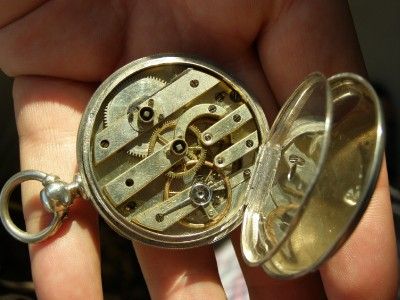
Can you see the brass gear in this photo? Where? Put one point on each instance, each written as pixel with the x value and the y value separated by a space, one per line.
pixel 196 152
pixel 136 92
pixel 139 150
pixel 208 174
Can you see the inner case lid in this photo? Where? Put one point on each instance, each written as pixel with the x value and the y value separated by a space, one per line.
pixel 286 169
pixel 299 216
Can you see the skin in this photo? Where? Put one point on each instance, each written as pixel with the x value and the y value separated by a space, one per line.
pixel 59 51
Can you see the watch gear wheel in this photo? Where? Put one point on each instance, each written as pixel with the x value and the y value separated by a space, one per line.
pixel 196 152
pixel 139 150
pixel 213 183
pixel 124 102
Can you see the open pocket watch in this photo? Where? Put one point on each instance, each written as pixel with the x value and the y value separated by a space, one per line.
pixel 175 153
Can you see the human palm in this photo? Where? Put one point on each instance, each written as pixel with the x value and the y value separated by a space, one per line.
pixel 59 51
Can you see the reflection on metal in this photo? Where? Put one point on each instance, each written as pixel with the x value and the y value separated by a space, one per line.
pixel 326 146
pixel 175 153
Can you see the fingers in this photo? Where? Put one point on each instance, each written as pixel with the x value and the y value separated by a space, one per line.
pixel 12 10
pixel 180 274
pixel 305 37
pixel 65 39
pixel 366 265
pixel 48 113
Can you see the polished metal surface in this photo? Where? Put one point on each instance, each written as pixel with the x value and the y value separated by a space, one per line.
pixel 317 186
pixel 140 173
pixel 56 197
pixel 175 153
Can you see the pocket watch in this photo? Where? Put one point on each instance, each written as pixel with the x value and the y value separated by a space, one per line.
pixel 175 153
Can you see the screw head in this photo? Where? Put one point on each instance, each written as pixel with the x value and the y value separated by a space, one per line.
pixel 212 108
pixel 237 118
pixel 201 194
pixel 159 217
pixel 249 143
pixel 194 83
pixel 207 137
pixel 104 144
pixel 220 96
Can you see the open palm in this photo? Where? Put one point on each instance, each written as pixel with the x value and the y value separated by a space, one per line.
pixel 59 51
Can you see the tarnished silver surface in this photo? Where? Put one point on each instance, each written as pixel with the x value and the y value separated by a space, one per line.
pixel 175 153
pixel 316 175
pixel 247 144
pixel 56 198
pixel 147 197
pixel 177 94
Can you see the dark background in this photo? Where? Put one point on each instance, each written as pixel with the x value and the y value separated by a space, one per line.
pixel 378 28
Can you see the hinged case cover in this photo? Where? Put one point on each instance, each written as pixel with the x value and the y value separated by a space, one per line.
pixel 314 175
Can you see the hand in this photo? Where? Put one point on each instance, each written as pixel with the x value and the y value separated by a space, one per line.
pixel 59 51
